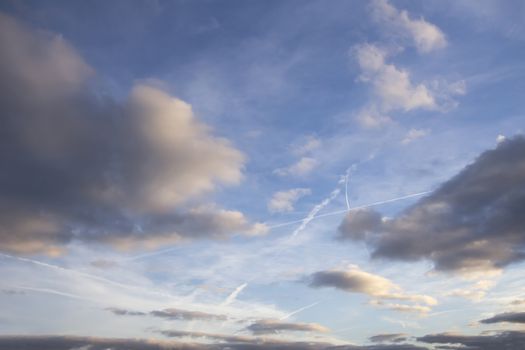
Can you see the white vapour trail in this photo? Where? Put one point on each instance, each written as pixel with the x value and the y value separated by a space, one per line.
pixel 351 209
pixel 231 298
pixel 55 292
pixel 87 275
pixel 312 214
pixel 298 310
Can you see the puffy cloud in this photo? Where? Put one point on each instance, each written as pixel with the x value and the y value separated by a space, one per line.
pixel 283 201
pixel 274 327
pixel 81 166
pixel 424 35
pixel 497 341
pixel 380 289
pixel 302 167
pixel 511 317
pixel 309 145
pixel 389 338
pixel 392 87
pixel 472 223
pixel 414 134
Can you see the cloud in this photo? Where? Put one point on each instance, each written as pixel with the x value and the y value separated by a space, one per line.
pixel 302 167
pixel 497 341
pixel 380 289
pixel 104 264
pixel 275 327
pixel 389 338
pixel 424 35
pixel 510 317
pixel 391 86
pixel 224 342
pixel 472 223
pixel 284 201
pixel 78 165
pixel 309 145
pixel 172 314
pixel 413 134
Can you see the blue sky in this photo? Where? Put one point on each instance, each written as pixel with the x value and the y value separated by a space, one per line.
pixel 272 172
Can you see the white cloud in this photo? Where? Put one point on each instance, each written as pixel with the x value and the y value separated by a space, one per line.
pixel 391 87
pixel 283 201
pixel 302 167
pixel 414 134
pixel 310 144
pixel 378 288
pixel 425 36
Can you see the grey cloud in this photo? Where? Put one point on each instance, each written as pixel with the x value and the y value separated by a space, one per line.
pixel 472 222
pixel 178 314
pixel 511 340
pixel 93 343
pixel 274 327
pixel 123 312
pixel 359 223
pixel 78 165
pixel 389 338
pixel 511 317
pixel 104 264
pixel 172 314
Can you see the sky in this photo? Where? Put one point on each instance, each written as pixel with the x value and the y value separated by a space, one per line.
pixel 262 175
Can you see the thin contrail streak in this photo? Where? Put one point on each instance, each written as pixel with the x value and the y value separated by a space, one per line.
pixel 312 214
pixel 350 209
pixel 231 298
pixel 55 292
pixel 313 217
pixel 298 310
pixel 87 275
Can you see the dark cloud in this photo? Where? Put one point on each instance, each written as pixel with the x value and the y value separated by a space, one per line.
pixel 104 264
pixel 79 165
pixel 172 314
pixel 511 317
pixel 12 292
pixel 509 340
pixel 274 327
pixel 178 314
pixel 473 222
pixel 124 312
pixel 389 338
pixel 92 343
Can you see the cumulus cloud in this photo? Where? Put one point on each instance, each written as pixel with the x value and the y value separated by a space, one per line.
pixel 414 134
pixel 302 167
pixel 284 201
pixel 81 166
pixel 510 317
pixel 275 327
pixel 472 223
pixel 425 36
pixel 310 144
pixel 380 289
pixel 391 86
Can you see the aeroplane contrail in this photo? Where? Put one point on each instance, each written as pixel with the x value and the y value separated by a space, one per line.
pixel 87 275
pixel 351 209
pixel 231 298
pixel 298 310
